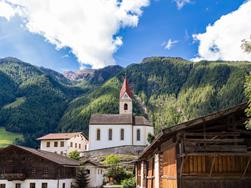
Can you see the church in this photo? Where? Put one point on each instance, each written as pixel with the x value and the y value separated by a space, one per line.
pixel 123 129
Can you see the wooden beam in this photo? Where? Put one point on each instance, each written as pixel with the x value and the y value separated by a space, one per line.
pixel 212 166
pixel 214 140
pixel 182 164
pixel 169 177
pixel 212 134
pixel 246 168
pixel 215 148
pixel 215 153
pixel 225 178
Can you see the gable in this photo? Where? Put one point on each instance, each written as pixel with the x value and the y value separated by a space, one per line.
pixel 223 123
pixel 125 96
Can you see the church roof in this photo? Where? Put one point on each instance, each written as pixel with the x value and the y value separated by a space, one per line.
pixel 118 119
pixel 126 89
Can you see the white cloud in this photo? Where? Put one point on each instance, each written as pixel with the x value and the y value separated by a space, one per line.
pixel 169 44
pixel 222 40
pixel 181 3
pixel 6 10
pixel 88 27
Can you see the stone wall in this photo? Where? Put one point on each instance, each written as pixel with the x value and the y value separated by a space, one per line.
pixel 127 150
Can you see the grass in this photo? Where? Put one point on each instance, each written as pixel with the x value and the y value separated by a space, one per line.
pixel 19 101
pixel 7 138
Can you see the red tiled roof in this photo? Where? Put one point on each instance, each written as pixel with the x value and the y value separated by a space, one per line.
pixel 58 136
pixel 125 89
pixel 118 119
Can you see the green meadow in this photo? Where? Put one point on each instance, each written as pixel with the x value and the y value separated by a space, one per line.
pixel 7 138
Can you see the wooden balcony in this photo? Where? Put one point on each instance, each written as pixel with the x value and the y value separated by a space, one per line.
pixel 13 176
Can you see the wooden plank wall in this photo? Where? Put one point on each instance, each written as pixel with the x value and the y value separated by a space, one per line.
pixel 168 168
pixel 215 183
pixel 215 165
pixel 138 168
pixel 216 172
pixel 150 173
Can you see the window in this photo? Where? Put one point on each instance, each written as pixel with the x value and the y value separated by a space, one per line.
pixel 110 134
pixel 33 171
pixel 85 147
pixel 138 134
pixel 125 106
pixel 98 134
pixel 71 144
pixel 55 144
pixel 46 171
pixel 2 186
pixel 63 185
pixel 18 185
pixel 61 144
pixel 32 185
pixel 76 145
pixel 122 134
pixel 79 146
pixel 88 171
pixel 48 144
pixel 44 185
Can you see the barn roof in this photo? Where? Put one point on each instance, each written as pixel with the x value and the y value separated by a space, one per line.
pixel 60 136
pixel 192 123
pixel 53 157
pixel 118 119
pixel 126 89
pixel 94 163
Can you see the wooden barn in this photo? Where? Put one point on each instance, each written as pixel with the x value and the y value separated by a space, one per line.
pixel 208 152
pixel 23 167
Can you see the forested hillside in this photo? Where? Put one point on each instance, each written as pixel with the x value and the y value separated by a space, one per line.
pixel 35 101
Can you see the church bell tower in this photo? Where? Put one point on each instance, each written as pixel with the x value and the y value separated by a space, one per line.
pixel 125 100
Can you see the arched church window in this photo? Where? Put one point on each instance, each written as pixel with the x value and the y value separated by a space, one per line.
pixel 98 134
pixel 125 106
pixel 110 134
pixel 122 134
pixel 138 134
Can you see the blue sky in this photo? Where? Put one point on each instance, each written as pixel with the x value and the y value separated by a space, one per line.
pixel 163 29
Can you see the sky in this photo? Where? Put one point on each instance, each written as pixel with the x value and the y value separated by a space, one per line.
pixel 71 35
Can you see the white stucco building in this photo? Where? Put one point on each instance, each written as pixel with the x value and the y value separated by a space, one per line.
pixel 64 143
pixel 96 173
pixel 112 130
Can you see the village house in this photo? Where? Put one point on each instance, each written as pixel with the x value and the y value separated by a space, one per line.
pixel 96 172
pixel 22 167
pixel 123 129
pixel 208 152
pixel 64 143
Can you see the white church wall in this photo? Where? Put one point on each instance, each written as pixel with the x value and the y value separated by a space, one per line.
pixel 144 131
pixel 104 141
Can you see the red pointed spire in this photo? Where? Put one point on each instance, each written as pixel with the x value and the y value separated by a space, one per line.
pixel 125 89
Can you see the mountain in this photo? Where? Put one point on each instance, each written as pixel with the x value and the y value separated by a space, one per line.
pixel 94 76
pixel 35 100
